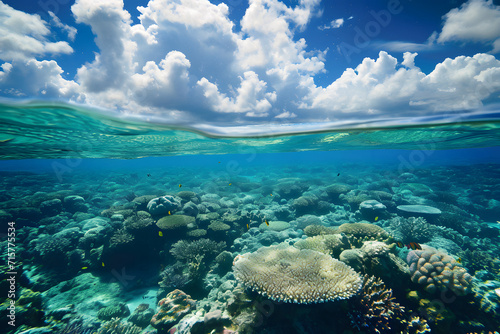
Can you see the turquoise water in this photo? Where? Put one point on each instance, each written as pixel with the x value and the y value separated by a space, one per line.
pixel 79 190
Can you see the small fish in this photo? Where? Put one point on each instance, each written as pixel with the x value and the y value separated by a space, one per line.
pixel 338 174
pixel 459 260
pixel 399 244
pixel 267 223
pixel 180 185
pixel 230 183
pixel 219 161
pixel 248 227
pixel 83 268
pixel 160 233
pixel 376 218
pixel 149 175
pixel 169 213
pixel 102 264
pixel 271 194
pixel 413 246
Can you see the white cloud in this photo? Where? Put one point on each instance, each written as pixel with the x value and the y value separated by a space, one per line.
pixel 474 21
pixel 400 46
pixel 250 98
pixel 71 31
pixel 286 114
pixel 381 87
pixel 24 35
pixel 38 78
pixel 337 23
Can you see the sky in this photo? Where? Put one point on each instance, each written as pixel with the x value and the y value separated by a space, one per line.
pixel 239 63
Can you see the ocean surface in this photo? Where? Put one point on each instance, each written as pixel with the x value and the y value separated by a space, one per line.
pixel 120 225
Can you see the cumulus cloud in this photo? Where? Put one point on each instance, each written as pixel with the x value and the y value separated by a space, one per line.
pixel 24 35
pixel 474 21
pixel 37 78
pixel 382 87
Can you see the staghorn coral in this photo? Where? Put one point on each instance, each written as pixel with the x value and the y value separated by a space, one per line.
pixel 438 271
pixel 173 277
pixel 411 229
pixel 375 310
pixel 374 307
pixel 171 309
pixel 116 326
pixel 119 310
pixel 288 274
pixel 186 251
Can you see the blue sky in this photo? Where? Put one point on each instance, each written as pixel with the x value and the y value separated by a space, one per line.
pixel 238 63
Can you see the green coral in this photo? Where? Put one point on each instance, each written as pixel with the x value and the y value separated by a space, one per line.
pixel 174 222
pixel 116 326
pixel 218 226
pixel 188 251
pixel 119 310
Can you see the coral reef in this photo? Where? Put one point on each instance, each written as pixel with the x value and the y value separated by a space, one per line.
pixel 160 206
pixel 288 274
pixel 411 229
pixel 171 309
pixel 184 250
pixel 438 272
pixel 116 326
pixel 120 310
pixel 331 244
pixel 142 315
pixel 175 222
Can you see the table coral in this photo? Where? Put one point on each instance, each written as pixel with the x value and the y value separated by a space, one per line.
pixel 438 271
pixel 288 274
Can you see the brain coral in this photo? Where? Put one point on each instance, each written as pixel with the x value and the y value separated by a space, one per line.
pixel 288 274
pixel 438 271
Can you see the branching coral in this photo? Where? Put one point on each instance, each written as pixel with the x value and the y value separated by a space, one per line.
pixel 186 251
pixel 116 326
pixel 288 274
pixel 411 229
pixel 375 310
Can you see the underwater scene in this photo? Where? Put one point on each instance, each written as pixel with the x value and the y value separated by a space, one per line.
pixel 390 230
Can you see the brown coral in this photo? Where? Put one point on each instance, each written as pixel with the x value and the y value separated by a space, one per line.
pixel 288 274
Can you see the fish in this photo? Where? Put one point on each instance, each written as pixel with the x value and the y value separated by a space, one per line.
pixel 169 213
pixel 413 245
pixel 102 264
pixel 149 175
pixel 459 260
pixel 83 268
pixel 248 227
pixel 267 223
pixel 180 185
pixel 271 194
pixel 230 183
pixel 376 218
pixel 160 233
pixel 338 174
pixel 399 244
pixel 219 161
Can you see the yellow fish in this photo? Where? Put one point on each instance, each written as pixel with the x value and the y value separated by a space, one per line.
pixel 271 194
pixel 160 233
pixel 459 260
pixel 230 183
pixel 376 218
pixel 169 213
pixel 102 263
pixel 248 227
pixel 83 268
pixel 180 185
pixel 267 223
